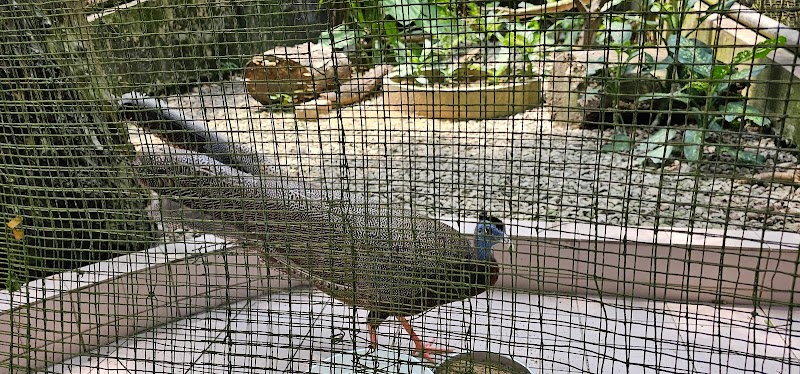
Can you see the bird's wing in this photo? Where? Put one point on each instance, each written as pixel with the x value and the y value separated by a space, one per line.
pixel 314 234
pixel 357 252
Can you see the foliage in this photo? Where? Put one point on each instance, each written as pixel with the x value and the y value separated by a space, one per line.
pixel 563 33
pixel 485 46
pixel 709 92
pixel 282 102
pixel 627 23
pixel 489 48
pixel 479 45
pixel 377 27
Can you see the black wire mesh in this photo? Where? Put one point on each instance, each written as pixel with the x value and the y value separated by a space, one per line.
pixel 203 187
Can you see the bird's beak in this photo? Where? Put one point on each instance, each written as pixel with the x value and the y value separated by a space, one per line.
pixel 507 241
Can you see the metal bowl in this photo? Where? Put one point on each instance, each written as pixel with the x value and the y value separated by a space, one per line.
pixel 369 361
pixel 471 360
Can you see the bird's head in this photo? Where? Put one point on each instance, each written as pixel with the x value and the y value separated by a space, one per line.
pixel 488 232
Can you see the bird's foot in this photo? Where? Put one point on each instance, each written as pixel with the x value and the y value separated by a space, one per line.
pixel 425 350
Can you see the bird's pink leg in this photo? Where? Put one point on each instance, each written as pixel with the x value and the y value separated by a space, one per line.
pixel 421 348
pixel 373 336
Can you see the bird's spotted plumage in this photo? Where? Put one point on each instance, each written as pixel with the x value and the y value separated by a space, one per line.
pixel 370 256
pixel 363 254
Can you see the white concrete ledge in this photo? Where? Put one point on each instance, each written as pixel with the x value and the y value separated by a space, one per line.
pixel 68 314
pixel 732 267
pixel 51 320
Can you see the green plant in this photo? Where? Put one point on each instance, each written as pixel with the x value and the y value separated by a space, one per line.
pixel 626 23
pixel 474 43
pixel 708 93
pixel 623 23
pixel 485 47
pixel 563 33
pixel 377 28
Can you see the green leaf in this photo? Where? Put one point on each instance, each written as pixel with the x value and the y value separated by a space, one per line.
pixel 658 138
pixel 607 6
pixel 720 71
pixel 758 120
pixel 747 74
pixel 661 153
pixel 761 50
pixel 714 125
pixel 733 110
pixel 688 5
pixel 701 68
pixel 741 76
pixel 619 143
pixel 742 56
pixel 764 48
pixel 699 86
pixel 694 141
pixel 434 20
pixel 723 5
pixel 403 11
pixel 227 65
pixel 340 37
pixel 719 7
pixel 646 57
pixel 677 96
pixel 692 53
pixel 674 19
pixel 664 64
pixel 744 156
pixel 621 32
pixel 515 39
pixel 738 109
pixel 750 113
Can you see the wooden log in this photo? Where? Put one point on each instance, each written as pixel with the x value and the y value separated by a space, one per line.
pixel 351 92
pixel 549 8
pixel 302 71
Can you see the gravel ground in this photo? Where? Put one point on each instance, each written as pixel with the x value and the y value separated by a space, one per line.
pixel 516 168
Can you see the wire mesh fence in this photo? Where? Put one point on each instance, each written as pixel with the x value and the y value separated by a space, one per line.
pixel 399 186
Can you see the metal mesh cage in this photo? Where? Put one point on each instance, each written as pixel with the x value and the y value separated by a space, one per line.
pixel 413 186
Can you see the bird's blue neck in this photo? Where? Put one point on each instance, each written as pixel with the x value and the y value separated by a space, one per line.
pixel 483 247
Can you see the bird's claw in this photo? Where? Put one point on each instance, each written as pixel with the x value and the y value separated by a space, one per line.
pixel 425 350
